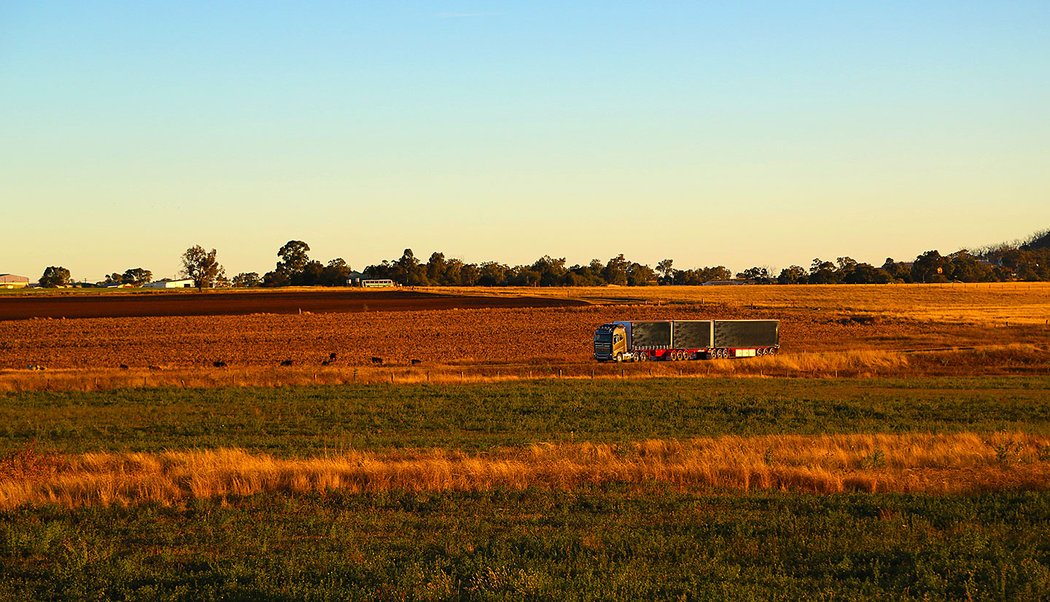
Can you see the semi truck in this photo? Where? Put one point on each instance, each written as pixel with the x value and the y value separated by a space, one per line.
pixel 674 340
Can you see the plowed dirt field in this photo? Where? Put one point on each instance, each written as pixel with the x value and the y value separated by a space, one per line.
pixel 221 303
pixel 442 336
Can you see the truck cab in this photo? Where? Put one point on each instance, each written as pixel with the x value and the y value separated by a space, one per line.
pixel 610 343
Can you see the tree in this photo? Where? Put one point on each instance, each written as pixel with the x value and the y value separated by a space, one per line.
pixel 469 274
pixel 1039 240
pixel 846 264
pixel 757 274
pixel 552 271
pixel 293 256
pixel 202 266
pixel 615 272
pixel 585 275
pixel 55 276
pixel 640 275
pixel 453 272
pixel 865 273
pixel 931 267
pixel 897 271
pixel 276 278
pixel 137 276
pixel 967 268
pixel 523 275
pixel 246 280
pixel 666 270
pixel 336 273
pixel 409 271
pixel 492 274
pixel 436 267
pixel 824 272
pixel 718 272
pixel 795 274
pixel 309 275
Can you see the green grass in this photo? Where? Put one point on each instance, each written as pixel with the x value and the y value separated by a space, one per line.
pixel 617 543
pixel 310 420
pixel 614 545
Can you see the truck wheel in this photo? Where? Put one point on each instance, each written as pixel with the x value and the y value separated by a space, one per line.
pixel 619 358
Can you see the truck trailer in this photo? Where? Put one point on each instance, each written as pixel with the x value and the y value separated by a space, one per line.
pixel 674 340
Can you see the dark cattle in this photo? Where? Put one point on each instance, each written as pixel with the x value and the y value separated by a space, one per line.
pixel 123 366
pixel 417 362
pixel 219 364
pixel 331 356
pixel 287 362
pixel 378 361
pixel 325 363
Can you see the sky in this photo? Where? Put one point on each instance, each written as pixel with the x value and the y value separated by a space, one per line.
pixel 712 133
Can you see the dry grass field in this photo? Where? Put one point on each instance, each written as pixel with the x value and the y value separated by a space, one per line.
pixel 995 303
pixel 902 463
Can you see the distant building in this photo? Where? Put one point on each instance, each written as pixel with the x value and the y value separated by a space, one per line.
pixel 166 283
pixel 378 283
pixel 13 281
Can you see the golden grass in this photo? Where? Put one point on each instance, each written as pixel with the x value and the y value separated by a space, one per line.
pixel 994 359
pixel 927 463
pixel 995 303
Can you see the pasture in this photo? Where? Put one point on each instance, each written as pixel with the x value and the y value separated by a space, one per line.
pixel 899 447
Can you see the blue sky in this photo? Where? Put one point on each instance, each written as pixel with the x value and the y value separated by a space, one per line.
pixel 712 133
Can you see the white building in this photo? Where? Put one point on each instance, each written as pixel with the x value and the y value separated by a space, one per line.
pixel 13 281
pixel 166 283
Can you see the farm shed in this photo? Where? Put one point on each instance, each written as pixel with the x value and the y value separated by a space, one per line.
pixel 13 281
pixel 184 283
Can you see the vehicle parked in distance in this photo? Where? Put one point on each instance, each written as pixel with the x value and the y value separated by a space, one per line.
pixel 674 340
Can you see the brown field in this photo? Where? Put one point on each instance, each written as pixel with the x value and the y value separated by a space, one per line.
pixel 913 463
pixel 825 330
pixel 237 302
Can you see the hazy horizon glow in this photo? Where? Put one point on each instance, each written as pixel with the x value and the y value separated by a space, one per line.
pixel 756 133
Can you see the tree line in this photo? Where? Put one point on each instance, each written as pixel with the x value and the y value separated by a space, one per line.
pixel 1027 260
